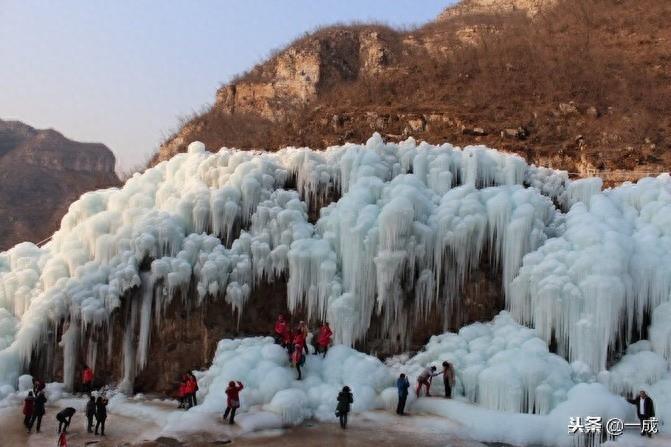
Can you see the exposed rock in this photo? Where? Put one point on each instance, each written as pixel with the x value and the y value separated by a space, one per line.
pixel 475 131
pixel 567 108
pixel 473 7
pixel 41 173
pixel 592 112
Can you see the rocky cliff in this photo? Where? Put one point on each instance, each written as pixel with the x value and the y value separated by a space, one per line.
pixel 41 173
pixel 572 84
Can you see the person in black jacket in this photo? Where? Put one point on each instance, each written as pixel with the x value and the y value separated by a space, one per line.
pixel 38 411
pixel 90 413
pixel 645 409
pixel 345 399
pixel 64 418
pixel 101 415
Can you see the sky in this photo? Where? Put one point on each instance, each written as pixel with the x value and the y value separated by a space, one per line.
pixel 122 72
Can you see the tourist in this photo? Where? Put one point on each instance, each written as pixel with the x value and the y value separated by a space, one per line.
pixel 298 359
pixel 402 384
pixel 38 412
pixel 233 400
pixel 101 415
pixel 64 417
pixel 645 409
pixel 87 380
pixel 448 378
pixel 303 330
pixel 90 413
pixel 193 388
pixel 28 407
pixel 183 393
pixel 345 399
pixel 425 378
pixel 324 338
pixel 281 329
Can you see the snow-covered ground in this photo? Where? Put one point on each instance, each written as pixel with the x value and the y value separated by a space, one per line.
pixel 411 219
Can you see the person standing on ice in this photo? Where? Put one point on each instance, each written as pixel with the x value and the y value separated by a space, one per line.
pixel 402 384
pixel 233 400
pixel 87 379
pixel 345 400
pixel 101 415
pixel 38 412
pixel 28 408
pixel 90 413
pixel 193 388
pixel 64 417
pixel 181 393
pixel 298 359
pixel 425 378
pixel 324 338
pixel 298 341
pixel 281 329
pixel 304 331
pixel 645 409
pixel 448 379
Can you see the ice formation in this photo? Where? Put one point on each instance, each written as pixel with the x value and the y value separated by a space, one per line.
pixel 400 229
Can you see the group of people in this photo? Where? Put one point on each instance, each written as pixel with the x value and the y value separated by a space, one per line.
pixel 424 380
pixel 187 391
pixel 296 342
pixel 34 408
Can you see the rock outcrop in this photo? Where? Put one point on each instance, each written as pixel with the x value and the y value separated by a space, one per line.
pixel 526 76
pixel 41 173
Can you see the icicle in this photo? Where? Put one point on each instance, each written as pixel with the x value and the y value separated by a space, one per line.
pixel 70 345
pixel 147 293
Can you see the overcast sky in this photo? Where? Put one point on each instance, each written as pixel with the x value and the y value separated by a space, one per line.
pixel 121 72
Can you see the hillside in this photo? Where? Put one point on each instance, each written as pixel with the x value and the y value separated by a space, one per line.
pixel 41 173
pixel 573 84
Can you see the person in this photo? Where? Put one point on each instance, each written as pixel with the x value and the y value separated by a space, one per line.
pixel 90 413
pixel 87 379
pixel 299 339
pixel 28 407
pixel 38 386
pixel 425 378
pixel 233 399
pixel 645 409
pixel 345 399
pixel 297 359
pixel 281 328
pixel 324 338
pixel 62 440
pixel 101 415
pixel 194 388
pixel 64 417
pixel 182 392
pixel 189 390
pixel 38 412
pixel 448 378
pixel 303 330
pixel 402 384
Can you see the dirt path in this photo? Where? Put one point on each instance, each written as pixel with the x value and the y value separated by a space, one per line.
pixel 119 430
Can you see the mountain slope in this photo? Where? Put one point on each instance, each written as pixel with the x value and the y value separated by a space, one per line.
pixel 41 173
pixel 574 84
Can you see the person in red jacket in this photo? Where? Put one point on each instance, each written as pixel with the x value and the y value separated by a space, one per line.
pixel 28 406
pixel 181 394
pixel 233 401
pixel 324 338
pixel 299 339
pixel 281 329
pixel 87 379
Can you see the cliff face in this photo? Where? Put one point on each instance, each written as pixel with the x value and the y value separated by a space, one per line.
pixel 572 84
pixel 41 173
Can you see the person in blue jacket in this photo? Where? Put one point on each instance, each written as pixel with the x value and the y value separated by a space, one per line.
pixel 402 384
